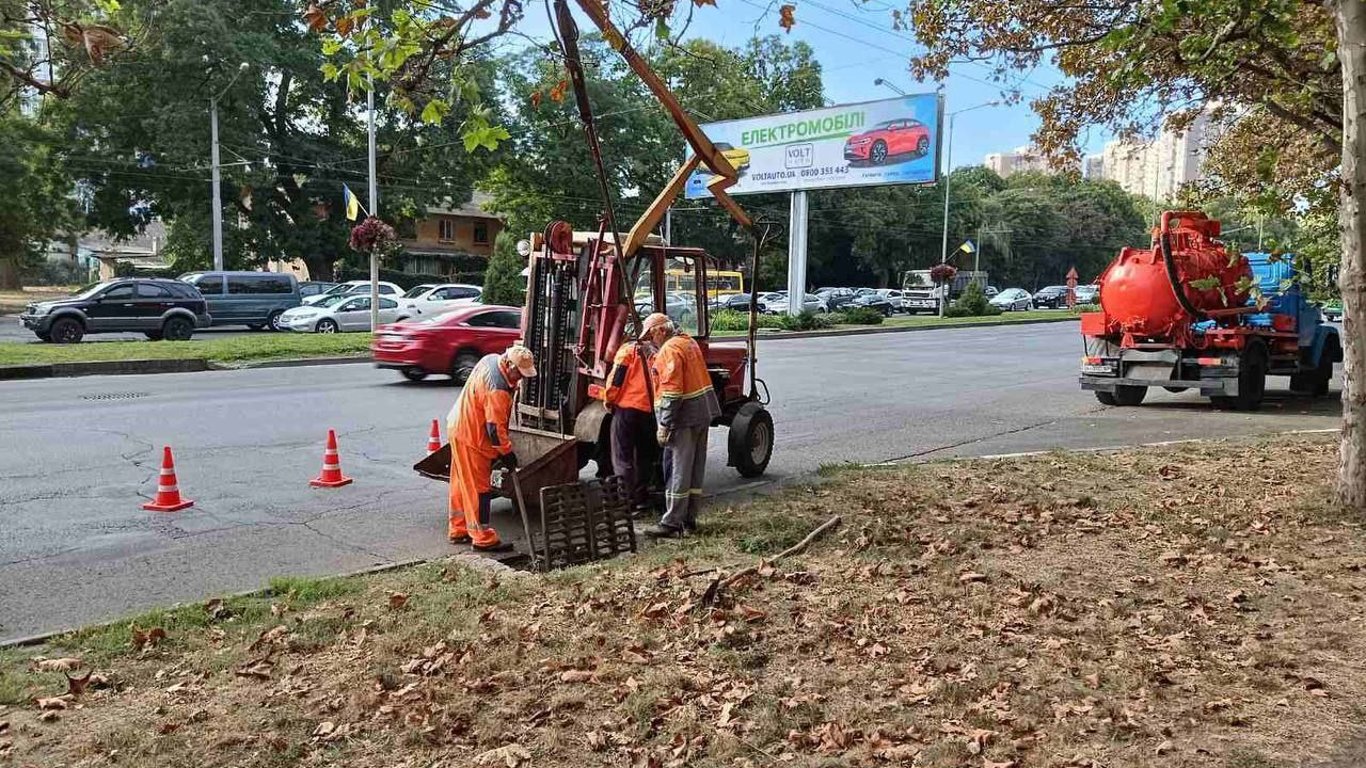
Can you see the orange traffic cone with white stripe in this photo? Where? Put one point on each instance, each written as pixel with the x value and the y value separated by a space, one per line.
pixel 331 476
pixel 168 492
pixel 434 439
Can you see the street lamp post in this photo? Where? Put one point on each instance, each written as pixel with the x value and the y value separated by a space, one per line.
pixel 948 171
pixel 217 191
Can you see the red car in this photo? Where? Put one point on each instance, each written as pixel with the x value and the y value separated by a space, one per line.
pixel 451 343
pixel 888 139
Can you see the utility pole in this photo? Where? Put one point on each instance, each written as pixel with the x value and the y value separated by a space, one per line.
pixel 948 171
pixel 374 207
pixel 217 189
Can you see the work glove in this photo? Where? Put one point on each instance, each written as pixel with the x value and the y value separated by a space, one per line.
pixel 664 435
pixel 506 461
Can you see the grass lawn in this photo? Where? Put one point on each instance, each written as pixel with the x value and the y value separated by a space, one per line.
pixel 1195 605
pixel 234 349
pixel 929 321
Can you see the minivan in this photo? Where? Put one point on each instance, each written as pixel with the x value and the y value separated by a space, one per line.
pixel 253 299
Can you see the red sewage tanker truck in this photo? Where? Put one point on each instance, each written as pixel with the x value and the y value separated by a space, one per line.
pixel 1187 313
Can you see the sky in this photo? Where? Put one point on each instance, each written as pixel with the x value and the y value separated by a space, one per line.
pixel 855 44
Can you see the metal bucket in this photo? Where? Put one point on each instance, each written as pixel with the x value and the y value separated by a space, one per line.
pixel 543 459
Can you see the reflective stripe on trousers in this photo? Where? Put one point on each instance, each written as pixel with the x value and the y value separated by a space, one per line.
pixel 685 469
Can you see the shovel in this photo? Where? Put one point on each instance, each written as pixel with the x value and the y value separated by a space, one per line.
pixel 526 524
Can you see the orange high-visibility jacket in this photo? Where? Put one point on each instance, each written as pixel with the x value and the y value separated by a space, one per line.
pixel 627 385
pixel 479 419
pixel 683 391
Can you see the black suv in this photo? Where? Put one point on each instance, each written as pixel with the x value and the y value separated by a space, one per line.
pixel 162 309
pixel 1053 297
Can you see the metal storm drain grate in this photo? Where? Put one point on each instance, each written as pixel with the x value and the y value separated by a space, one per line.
pixel 585 521
pixel 115 396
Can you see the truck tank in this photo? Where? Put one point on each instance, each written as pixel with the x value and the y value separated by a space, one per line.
pixel 1148 293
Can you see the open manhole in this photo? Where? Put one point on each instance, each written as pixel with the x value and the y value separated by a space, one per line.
pixel 114 395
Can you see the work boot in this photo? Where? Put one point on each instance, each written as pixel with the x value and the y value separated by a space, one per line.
pixel 662 531
pixel 501 546
pixel 461 539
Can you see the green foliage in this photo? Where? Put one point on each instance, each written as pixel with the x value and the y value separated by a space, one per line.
pixel 503 282
pixel 858 316
pixel 124 269
pixel 973 303
pixel 36 201
pixel 806 321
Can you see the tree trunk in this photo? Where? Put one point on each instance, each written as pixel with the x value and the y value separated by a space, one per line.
pixel 1351 23
pixel 319 266
pixel 9 273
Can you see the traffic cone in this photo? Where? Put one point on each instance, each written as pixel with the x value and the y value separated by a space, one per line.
pixel 331 476
pixel 168 493
pixel 434 440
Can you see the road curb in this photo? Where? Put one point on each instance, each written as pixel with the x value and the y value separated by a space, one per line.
pixel 293 362
pixel 103 368
pixel 875 330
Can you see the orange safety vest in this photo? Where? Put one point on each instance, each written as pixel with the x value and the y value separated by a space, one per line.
pixel 627 383
pixel 479 419
pixel 683 391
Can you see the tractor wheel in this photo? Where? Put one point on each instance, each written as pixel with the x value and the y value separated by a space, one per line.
pixel 751 440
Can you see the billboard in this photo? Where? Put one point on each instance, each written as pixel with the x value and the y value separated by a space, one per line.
pixel 892 141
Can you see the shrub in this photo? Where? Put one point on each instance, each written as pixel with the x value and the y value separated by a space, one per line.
pixel 858 316
pixel 1079 308
pixel 733 320
pixel 973 303
pixel 806 321
pixel 503 282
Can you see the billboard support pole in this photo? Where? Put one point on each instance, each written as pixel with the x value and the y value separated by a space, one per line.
pixel 796 254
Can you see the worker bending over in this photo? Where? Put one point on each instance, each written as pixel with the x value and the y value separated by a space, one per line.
pixel 629 395
pixel 685 406
pixel 478 426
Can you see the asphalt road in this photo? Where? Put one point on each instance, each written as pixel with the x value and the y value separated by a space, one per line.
pixel 82 454
pixel 11 332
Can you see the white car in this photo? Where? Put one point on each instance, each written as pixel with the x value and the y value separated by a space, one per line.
pixel 1013 300
pixel 430 300
pixel 355 288
pixel 336 314
pixel 776 303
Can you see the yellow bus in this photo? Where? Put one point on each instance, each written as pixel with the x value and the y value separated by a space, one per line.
pixel 719 284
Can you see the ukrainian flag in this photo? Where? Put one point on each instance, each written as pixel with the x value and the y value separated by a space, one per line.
pixel 352 203
pixel 968 247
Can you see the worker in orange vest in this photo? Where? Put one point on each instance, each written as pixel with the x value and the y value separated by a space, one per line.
pixel 685 406
pixel 478 426
pixel 629 395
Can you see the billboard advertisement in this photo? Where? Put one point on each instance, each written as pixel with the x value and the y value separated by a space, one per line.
pixel 892 141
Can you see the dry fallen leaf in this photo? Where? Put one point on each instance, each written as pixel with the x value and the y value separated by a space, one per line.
pixel 66 664
pixel 77 685
pixel 575 676
pixel 971 576
pixel 54 702
pixel 510 755
pixel 397 600
pixel 217 609
pixel 150 638
pixel 269 636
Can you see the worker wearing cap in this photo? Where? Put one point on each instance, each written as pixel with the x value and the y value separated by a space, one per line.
pixel 685 406
pixel 478 426
pixel 629 395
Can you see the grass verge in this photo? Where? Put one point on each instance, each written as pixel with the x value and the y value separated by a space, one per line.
pixel 234 349
pixel 1197 605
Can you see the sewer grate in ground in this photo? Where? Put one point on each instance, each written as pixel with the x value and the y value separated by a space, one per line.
pixel 115 395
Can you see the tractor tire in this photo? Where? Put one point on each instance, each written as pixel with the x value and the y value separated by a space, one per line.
pixel 750 442
pixel 66 330
pixel 1251 382
pixel 462 367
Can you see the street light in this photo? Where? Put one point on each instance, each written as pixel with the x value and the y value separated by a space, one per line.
pixel 217 192
pixel 882 82
pixel 948 171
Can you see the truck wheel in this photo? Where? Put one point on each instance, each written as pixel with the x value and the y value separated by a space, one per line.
pixel 1124 395
pixel 1106 398
pixel 1251 382
pixel 751 440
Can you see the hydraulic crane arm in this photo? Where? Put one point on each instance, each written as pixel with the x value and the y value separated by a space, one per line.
pixel 704 151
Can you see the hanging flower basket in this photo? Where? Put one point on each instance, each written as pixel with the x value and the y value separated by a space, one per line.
pixel 374 236
pixel 943 273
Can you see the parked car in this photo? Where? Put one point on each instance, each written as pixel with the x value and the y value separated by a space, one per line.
pixel 336 314
pixel 357 287
pixel 874 301
pixel 904 137
pixel 680 306
pixel 254 299
pixel 1087 294
pixel 835 298
pixel 451 343
pixel 1332 310
pixel 990 291
pixel 775 303
pixel 1052 296
pixel 314 287
pixel 161 309
pixel 1013 300
pixel 894 295
pixel 736 302
pixel 429 300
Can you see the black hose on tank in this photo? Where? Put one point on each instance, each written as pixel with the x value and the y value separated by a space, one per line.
pixel 1164 240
